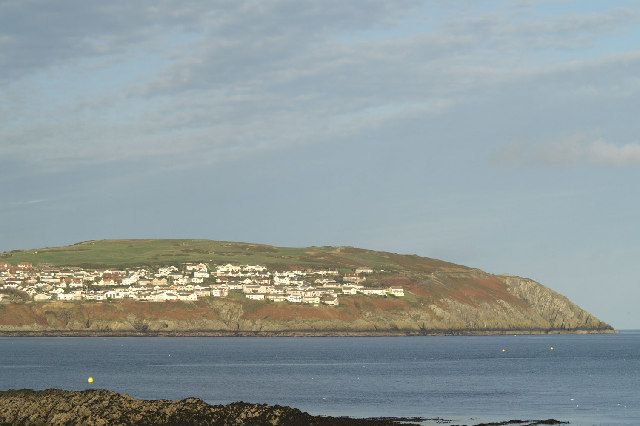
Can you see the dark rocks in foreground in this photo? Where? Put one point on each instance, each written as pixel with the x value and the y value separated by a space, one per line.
pixel 525 423
pixel 103 407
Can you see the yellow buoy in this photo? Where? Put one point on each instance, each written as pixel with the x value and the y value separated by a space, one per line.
pixel 90 380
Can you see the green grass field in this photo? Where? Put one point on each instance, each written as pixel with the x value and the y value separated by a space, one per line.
pixel 129 253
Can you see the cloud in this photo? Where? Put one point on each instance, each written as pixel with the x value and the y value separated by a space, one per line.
pixel 198 82
pixel 574 150
pixel 16 205
pixel 37 34
pixel 601 152
pixel 508 31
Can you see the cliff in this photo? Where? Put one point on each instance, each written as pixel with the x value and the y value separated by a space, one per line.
pixel 473 304
pixel 441 297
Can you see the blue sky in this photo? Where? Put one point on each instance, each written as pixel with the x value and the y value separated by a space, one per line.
pixel 499 134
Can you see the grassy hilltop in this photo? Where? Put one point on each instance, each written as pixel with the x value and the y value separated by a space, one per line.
pixel 124 253
pixel 441 297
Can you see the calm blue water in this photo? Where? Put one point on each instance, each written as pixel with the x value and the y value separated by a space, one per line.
pixel 592 379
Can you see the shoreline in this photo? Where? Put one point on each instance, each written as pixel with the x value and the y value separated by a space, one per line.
pixel 102 406
pixel 298 333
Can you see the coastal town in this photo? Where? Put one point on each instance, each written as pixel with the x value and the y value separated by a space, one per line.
pixel 187 282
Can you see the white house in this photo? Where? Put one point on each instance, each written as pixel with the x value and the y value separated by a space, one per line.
pixel 130 280
pixel 277 297
pixel 396 291
pixel 294 298
pixel 107 282
pixel 159 282
pixel 255 296
pixel 235 285
pixel 228 269
pixel 200 267
pixel 351 290
pixel 202 290
pixel 70 296
pixel 256 268
pixel 374 291
pixel 94 296
pixel 219 291
pixel 247 289
pixel 41 297
pixel 325 272
pixel 191 297
pixel 181 280
pixel 278 280
pixel 331 301
pixel 166 271
pixel 115 294
pixel 314 300
pixel 164 296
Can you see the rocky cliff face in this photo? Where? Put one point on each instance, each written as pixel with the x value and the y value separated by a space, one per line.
pixel 102 408
pixel 468 301
pixel 551 308
pixel 441 297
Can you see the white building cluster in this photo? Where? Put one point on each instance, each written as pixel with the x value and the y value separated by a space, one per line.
pixel 189 282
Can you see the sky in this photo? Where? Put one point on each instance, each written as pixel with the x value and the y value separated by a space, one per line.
pixel 502 135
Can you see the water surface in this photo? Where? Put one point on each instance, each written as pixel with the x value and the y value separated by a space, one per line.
pixel 585 379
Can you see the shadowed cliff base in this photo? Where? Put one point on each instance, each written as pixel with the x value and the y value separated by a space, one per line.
pixel 356 316
pixel 300 333
pixel 104 407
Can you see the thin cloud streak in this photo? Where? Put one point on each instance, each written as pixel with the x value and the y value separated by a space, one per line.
pixel 575 150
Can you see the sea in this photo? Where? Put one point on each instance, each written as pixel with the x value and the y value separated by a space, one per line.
pixel 584 379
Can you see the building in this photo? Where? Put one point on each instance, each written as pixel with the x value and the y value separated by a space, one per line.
pixel 219 291
pixel 187 297
pixel 312 300
pixel 330 300
pixel 41 297
pixel 255 296
pixel 70 296
pixel 373 291
pixel 276 297
pixel 350 289
pixel 396 291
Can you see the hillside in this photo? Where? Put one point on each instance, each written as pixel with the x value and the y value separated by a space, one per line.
pixel 123 253
pixel 441 297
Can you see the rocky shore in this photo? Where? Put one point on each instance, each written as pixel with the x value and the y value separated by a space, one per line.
pixel 300 333
pixel 103 407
